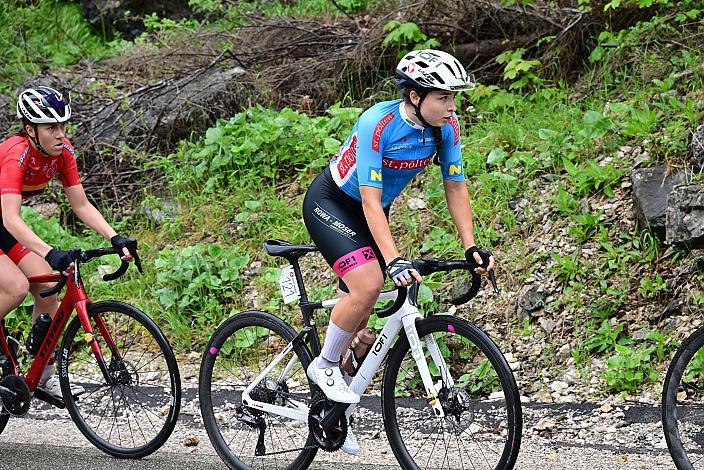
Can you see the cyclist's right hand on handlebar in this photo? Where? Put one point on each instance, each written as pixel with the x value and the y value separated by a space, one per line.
pixel 401 271
pixel 59 260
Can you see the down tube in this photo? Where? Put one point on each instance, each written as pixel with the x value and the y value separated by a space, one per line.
pixel 379 350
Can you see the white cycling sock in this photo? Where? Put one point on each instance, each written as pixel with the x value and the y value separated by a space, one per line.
pixel 335 341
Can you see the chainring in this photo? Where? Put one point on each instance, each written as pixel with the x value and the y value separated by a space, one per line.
pixel 19 405
pixel 327 441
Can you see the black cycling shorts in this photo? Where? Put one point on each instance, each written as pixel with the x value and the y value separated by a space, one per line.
pixel 336 223
pixel 11 247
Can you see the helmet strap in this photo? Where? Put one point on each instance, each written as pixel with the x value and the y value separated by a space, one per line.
pixel 35 140
pixel 416 108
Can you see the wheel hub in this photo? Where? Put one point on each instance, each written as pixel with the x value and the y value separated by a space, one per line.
pixel 458 408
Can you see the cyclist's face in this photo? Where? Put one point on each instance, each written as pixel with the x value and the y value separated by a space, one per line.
pixel 51 137
pixel 437 108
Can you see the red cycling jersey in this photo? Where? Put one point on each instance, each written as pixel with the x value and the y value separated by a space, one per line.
pixel 25 171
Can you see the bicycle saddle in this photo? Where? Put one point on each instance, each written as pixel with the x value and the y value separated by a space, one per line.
pixel 283 248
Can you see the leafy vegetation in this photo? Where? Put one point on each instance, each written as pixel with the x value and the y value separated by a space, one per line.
pixel 44 34
pixel 558 145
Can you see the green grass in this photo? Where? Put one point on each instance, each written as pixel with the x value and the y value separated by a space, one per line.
pixel 44 35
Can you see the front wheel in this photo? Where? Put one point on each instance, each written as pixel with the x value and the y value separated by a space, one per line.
pixel 682 404
pixel 131 414
pixel 481 428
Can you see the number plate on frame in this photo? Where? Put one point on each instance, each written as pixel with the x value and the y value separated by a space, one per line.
pixel 288 285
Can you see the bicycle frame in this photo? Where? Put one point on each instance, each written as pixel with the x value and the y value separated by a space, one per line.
pixel 75 298
pixel 406 318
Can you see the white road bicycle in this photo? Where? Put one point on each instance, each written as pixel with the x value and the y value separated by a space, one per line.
pixel 449 398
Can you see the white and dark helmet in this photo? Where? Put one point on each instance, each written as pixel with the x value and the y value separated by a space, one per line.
pixel 43 105
pixel 429 69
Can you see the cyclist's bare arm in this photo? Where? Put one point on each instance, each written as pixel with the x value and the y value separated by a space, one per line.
pixel 17 227
pixel 89 215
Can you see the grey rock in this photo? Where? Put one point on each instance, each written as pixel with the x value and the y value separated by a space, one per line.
pixel 159 116
pixel 685 216
pixel 650 189
pixel 672 308
pixel 698 149
pixel 530 299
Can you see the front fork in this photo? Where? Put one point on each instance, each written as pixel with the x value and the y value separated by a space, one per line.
pixel 89 337
pixel 431 392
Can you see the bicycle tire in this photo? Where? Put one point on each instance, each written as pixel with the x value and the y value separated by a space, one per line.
pixel 679 405
pixel 502 412
pixel 221 387
pixel 155 392
pixel 4 418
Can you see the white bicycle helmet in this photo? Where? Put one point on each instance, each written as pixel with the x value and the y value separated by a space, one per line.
pixel 429 69
pixel 43 105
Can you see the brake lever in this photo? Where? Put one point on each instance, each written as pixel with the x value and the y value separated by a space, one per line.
pixel 492 278
pixel 131 246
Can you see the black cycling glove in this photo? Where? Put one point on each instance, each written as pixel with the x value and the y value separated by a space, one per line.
pixel 58 259
pixel 483 253
pixel 399 270
pixel 118 242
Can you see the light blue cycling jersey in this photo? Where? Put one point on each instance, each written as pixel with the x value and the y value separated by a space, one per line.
pixel 387 149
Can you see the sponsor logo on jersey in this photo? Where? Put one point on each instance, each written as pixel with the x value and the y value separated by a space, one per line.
pixel 405 164
pixel 454 169
pixel 348 157
pixel 374 174
pixel 24 155
pixel 70 150
pixel 376 137
pixel 455 128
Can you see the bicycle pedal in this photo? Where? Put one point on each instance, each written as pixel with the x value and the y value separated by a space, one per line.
pixel 48 398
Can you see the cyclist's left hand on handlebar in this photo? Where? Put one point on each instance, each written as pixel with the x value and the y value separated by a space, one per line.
pixel 119 242
pixel 401 271
pixel 483 258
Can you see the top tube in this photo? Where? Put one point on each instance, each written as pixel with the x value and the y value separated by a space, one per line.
pixel 53 277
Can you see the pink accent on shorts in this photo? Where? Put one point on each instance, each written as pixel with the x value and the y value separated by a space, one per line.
pixel 451 329
pixel 213 350
pixel 352 260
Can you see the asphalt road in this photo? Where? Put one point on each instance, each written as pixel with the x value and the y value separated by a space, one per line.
pixel 47 439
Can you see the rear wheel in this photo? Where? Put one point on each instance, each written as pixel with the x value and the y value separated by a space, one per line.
pixel 244 436
pixel 134 413
pixel 4 418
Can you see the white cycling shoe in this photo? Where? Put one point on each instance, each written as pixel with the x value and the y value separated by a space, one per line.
pixel 350 446
pixel 330 381
pixel 49 383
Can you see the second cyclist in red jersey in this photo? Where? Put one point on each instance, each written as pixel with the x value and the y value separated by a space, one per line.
pixel 28 161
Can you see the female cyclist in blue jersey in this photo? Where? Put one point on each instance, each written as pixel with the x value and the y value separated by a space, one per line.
pixel 346 207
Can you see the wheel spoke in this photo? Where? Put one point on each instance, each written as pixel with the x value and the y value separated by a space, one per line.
pixel 133 417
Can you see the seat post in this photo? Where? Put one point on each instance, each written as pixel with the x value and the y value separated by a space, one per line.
pixel 299 277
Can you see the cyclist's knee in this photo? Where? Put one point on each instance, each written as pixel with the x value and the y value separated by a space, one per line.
pixel 367 293
pixel 16 288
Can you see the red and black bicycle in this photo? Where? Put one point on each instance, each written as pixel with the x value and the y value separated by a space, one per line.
pixel 119 358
